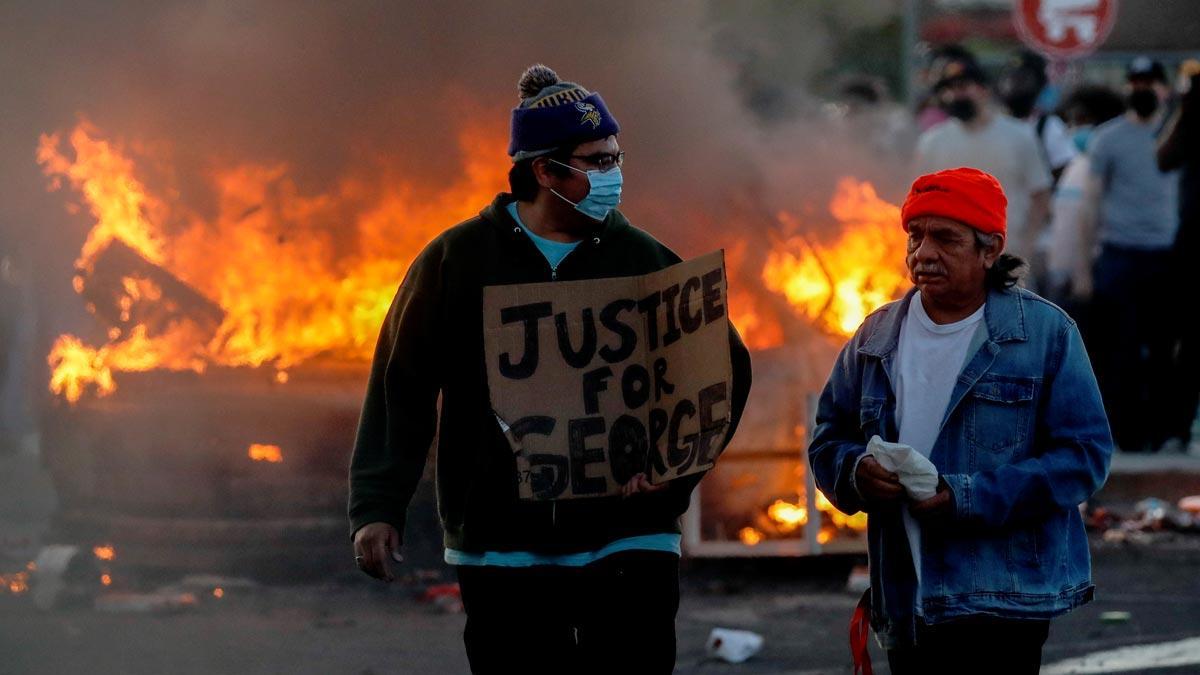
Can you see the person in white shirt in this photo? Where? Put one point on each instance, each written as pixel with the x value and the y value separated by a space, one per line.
pixel 986 391
pixel 980 136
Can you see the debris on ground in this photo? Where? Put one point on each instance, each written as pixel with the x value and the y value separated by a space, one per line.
pixel 733 646
pixel 1147 522
pixel 213 585
pixel 859 581
pixel 1115 617
pixel 1190 505
pixel 447 597
pixel 164 600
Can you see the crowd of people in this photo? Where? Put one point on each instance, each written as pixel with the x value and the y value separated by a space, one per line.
pixel 1102 204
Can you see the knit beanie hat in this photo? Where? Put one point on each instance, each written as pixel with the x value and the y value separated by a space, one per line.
pixel 554 113
pixel 966 195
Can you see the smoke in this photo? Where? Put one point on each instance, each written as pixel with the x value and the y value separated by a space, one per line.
pixel 330 89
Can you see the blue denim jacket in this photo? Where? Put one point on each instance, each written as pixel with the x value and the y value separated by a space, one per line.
pixel 1023 442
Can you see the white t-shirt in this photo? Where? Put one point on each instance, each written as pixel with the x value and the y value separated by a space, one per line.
pixel 930 357
pixel 1005 148
pixel 1064 250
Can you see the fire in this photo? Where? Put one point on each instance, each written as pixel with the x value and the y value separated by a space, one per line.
pixel 786 515
pixel 750 536
pixel 218 593
pixel 856 522
pixel 271 284
pixel 123 208
pixel 16 583
pixel 104 552
pixel 758 326
pixel 106 579
pixel 837 284
pixel 260 452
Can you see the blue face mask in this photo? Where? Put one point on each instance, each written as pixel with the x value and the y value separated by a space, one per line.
pixel 1081 137
pixel 603 195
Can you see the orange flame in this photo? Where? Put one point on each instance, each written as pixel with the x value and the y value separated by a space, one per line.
pixel 260 452
pixel 837 284
pixel 105 552
pixel 16 583
pixel 123 208
pixel 786 515
pixel 751 536
pixel 841 521
pixel 265 259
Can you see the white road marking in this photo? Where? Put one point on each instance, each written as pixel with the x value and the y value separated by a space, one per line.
pixel 1160 655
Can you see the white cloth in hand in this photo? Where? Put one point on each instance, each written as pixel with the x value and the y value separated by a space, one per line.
pixel 917 474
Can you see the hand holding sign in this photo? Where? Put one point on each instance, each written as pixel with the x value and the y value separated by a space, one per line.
pixel 640 484
pixel 595 382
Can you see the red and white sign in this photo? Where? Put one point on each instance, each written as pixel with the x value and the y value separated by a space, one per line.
pixel 1064 29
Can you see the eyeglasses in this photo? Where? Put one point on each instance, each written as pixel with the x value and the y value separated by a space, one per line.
pixel 604 161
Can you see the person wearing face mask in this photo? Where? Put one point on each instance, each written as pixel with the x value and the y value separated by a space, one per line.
pixel 577 586
pixel 979 135
pixel 1022 85
pixel 1132 212
pixel 1066 254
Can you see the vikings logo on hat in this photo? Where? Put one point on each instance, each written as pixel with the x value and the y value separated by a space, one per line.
pixel 590 114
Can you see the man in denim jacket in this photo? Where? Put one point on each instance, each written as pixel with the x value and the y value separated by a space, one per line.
pixel 993 385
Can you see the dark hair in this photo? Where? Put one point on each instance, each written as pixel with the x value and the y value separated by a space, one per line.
pixel 521 181
pixel 1092 104
pixel 1006 271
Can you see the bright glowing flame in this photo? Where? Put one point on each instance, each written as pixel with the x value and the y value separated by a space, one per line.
pixel 786 515
pixel 282 290
pixel 837 284
pixel 261 452
pixel 106 579
pixel 104 552
pixel 123 208
pixel 750 536
pixel 218 592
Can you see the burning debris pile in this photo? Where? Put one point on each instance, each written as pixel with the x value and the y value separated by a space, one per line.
pixel 262 283
pixel 836 285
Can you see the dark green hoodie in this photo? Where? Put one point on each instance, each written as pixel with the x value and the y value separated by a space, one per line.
pixel 432 342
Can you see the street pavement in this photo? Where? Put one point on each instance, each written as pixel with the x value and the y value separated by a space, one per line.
pixel 356 626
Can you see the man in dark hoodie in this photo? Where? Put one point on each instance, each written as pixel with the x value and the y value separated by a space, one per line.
pixel 584 585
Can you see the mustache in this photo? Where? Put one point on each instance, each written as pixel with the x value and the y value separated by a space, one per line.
pixel 929 269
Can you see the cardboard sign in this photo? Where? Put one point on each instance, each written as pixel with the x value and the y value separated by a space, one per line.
pixel 596 381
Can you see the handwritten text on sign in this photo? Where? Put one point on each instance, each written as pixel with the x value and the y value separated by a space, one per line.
pixel 596 381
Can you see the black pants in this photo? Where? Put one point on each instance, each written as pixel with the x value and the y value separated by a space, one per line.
pixel 1185 398
pixel 614 615
pixel 973 645
pixel 1132 340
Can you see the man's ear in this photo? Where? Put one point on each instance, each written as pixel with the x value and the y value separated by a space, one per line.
pixel 993 250
pixel 542 173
